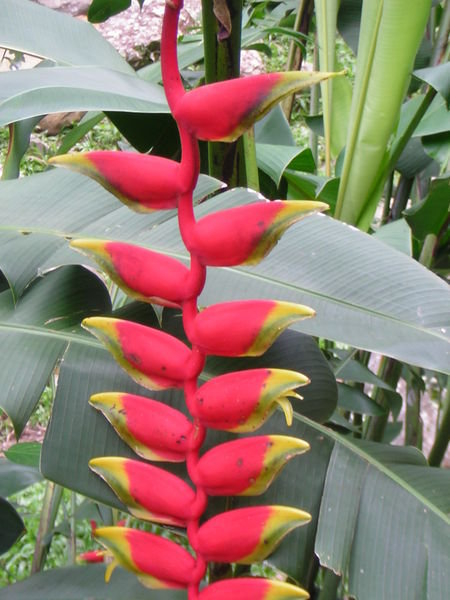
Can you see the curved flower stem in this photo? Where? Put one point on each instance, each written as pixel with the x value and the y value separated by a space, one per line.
pixel 173 86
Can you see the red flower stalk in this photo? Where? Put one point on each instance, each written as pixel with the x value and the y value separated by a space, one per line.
pixel 235 402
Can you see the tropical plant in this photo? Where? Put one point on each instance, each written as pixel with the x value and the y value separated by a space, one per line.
pixel 368 296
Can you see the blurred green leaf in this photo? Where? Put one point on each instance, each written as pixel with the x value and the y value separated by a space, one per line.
pixel 25 453
pixel 429 215
pixel 438 77
pixel 11 525
pixel 397 235
pixel 353 399
pixel 101 10
pixel 14 477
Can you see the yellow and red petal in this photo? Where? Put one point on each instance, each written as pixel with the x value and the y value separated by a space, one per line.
pixel 151 357
pixel 152 429
pixel 151 493
pixel 247 466
pixel 244 328
pixel 158 562
pixel 252 588
pixel 92 556
pixel 212 112
pixel 246 535
pixel 243 400
pixel 144 183
pixel 246 234
pixel 143 274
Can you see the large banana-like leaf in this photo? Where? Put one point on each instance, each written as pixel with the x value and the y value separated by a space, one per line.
pixel 381 301
pixel 35 331
pixel 384 65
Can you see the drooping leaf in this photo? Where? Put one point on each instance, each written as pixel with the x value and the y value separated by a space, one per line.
pixel 429 215
pixel 12 526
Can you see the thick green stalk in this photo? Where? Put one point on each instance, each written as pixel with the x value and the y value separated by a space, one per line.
pixel 413 423
pixel 443 435
pixel 314 108
pixel 331 583
pixel 389 370
pixel 251 166
pixel 442 37
pixel 50 505
pixel 222 61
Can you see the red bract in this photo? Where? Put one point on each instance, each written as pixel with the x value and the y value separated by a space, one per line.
pixel 152 429
pixel 150 493
pixel 223 111
pixel 247 535
pixel 143 274
pixel 246 467
pixel 244 328
pixel 246 234
pixel 243 400
pixel 144 183
pixel 158 563
pixel 153 358
pixel 251 588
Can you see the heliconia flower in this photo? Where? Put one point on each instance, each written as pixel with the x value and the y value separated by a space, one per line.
pixel 152 429
pixel 243 328
pixel 247 466
pixel 149 492
pixel 251 588
pixel 144 183
pixel 157 562
pixel 143 274
pixel 246 535
pixel 243 400
pixel 151 357
pixel 246 234
pixel 223 111
pixel 92 556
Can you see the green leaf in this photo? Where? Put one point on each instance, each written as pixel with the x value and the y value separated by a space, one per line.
pixel 388 304
pixel 101 10
pixel 31 92
pixel 378 91
pixel 430 215
pixel 25 453
pixel 14 477
pixel 67 41
pixel 397 235
pixel 436 119
pixel 354 400
pixel 438 77
pixel 36 331
pixel 12 526
pixel 85 583
pixel 349 20
pixel 274 160
pixel 390 553
pixel 312 187
pixel 19 139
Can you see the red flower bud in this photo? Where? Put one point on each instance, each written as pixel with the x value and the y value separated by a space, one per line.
pixel 243 328
pixel 247 535
pixel 143 274
pixel 152 429
pixel 92 556
pixel 149 492
pixel 251 588
pixel 144 183
pixel 223 111
pixel 157 562
pixel 242 401
pixel 246 234
pixel 247 466
pixel 153 358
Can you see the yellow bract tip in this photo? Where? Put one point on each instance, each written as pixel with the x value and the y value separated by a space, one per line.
pixel 287 409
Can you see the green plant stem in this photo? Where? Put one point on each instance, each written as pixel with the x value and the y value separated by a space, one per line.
pixel 251 166
pixel 413 423
pixel 401 197
pixel 442 37
pixel 441 440
pixel 226 161
pixel 387 199
pixel 50 505
pixel 389 370
pixel 331 583
pixel 73 538
pixel 314 108
pixel 427 252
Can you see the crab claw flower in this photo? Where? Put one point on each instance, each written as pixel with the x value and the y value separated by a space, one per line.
pixel 252 588
pixel 152 429
pixel 143 274
pixel 92 556
pixel 157 562
pixel 212 113
pixel 246 535
pixel 149 492
pixel 243 328
pixel 242 401
pixel 144 183
pixel 151 357
pixel 247 466
pixel 246 234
